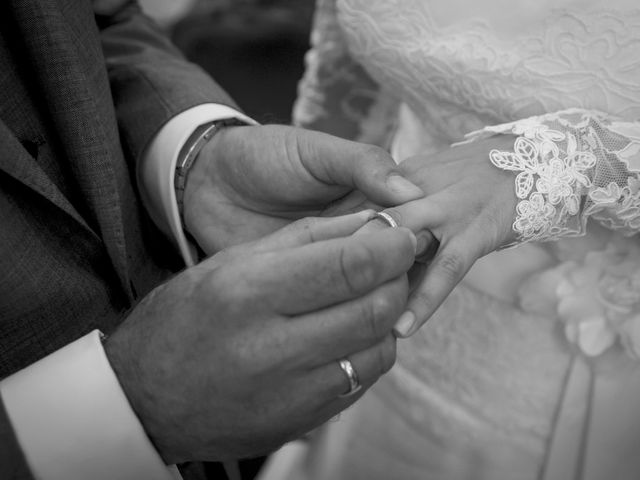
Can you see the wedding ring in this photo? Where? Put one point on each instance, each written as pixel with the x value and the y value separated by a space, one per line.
pixel 385 217
pixel 352 375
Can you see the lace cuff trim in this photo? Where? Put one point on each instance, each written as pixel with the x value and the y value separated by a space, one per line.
pixel 571 165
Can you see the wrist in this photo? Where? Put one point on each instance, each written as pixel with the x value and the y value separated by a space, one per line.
pixel 73 419
pixel 210 197
pixel 117 350
pixel 190 153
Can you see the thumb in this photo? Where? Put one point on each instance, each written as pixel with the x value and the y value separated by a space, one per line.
pixel 367 168
pixel 298 233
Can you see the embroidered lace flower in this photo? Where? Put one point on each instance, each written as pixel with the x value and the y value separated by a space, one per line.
pixel 617 207
pixel 597 298
pixel 534 215
pixel 571 165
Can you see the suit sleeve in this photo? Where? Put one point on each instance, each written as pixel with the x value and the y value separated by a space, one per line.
pixel 13 465
pixel 151 82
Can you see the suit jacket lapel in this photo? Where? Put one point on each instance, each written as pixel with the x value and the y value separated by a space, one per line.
pixel 16 162
pixel 75 87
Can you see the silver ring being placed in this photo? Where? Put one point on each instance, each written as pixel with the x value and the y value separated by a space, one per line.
pixel 352 375
pixel 388 219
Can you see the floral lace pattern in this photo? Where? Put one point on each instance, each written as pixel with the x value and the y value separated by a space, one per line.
pixel 558 176
pixel 336 94
pixel 461 76
pixel 571 168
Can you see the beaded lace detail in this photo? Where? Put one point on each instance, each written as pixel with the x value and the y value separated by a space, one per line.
pixel 571 165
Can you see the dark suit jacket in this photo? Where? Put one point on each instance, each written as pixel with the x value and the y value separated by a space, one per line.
pixel 81 94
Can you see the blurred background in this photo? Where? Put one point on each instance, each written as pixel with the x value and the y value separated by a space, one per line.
pixel 253 48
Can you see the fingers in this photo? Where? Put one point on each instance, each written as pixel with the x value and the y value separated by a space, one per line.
pixel 367 168
pixel 430 286
pixel 419 216
pixel 339 331
pixel 415 275
pixel 445 271
pixel 350 203
pixel 321 274
pixel 301 232
pixel 328 385
pixel 312 229
pixel 369 365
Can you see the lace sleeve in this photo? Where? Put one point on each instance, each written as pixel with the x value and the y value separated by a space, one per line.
pixel 336 94
pixel 571 166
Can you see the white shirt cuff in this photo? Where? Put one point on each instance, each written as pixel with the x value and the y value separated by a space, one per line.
pixel 158 164
pixel 74 422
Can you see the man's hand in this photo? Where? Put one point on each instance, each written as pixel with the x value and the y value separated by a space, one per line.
pixel 239 354
pixel 467 213
pixel 250 181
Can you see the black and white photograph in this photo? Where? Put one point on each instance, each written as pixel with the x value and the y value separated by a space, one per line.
pixel 319 240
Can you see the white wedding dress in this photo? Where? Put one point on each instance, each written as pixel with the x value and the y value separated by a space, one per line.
pixel 530 369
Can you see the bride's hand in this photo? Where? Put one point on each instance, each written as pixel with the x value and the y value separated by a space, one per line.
pixel 469 210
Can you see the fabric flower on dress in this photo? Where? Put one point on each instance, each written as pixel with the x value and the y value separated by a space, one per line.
pixel 597 298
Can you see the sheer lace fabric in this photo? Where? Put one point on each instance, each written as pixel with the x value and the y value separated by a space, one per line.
pixel 473 72
pixel 337 95
pixel 572 165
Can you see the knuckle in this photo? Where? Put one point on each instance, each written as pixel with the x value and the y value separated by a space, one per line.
pixel 305 223
pixel 422 299
pixel 451 265
pixel 380 310
pixel 374 153
pixel 358 268
pixel 383 306
pixel 232 284
pixel 306 227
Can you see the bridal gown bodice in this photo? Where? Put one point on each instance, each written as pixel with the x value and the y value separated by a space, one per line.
pixel 461 65
pixel 487 389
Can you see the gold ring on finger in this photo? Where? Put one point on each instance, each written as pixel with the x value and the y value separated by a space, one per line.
pixel 354 384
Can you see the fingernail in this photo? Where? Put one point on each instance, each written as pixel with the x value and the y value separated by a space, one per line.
pixel 401 185
pixel 404 324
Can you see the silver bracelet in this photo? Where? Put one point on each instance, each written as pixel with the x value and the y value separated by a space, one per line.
pixel 190 151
